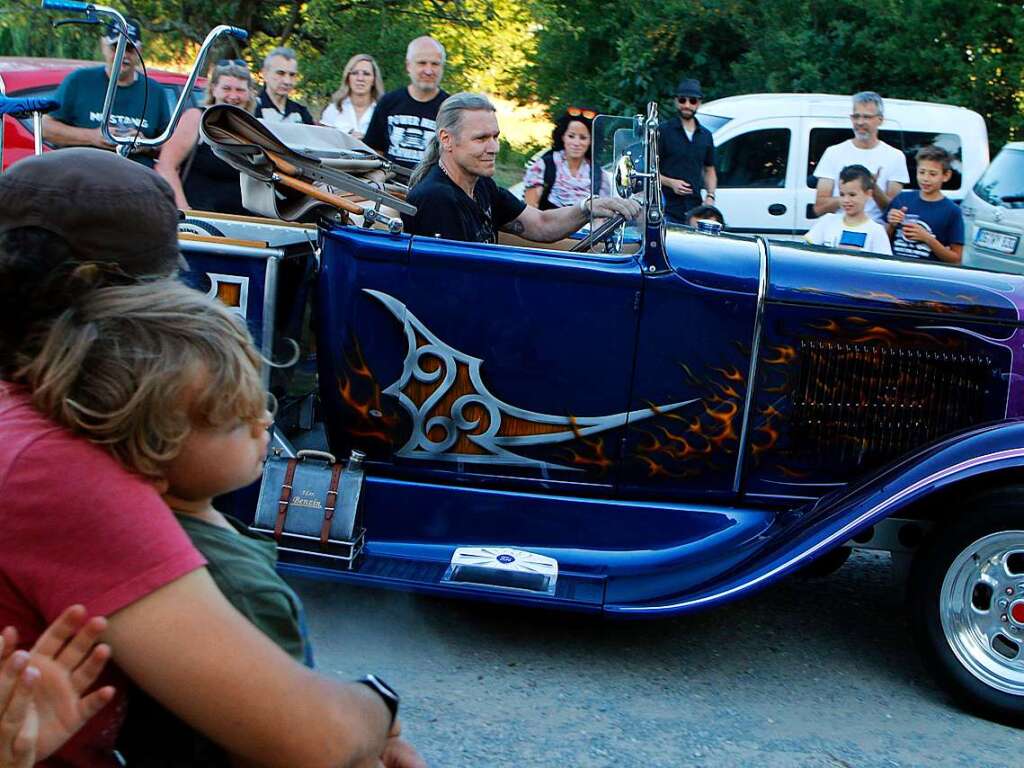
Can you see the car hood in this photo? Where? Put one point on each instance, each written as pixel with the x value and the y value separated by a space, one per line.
pixel 866 283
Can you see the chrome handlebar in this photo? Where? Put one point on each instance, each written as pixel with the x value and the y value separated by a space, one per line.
pixel 126 143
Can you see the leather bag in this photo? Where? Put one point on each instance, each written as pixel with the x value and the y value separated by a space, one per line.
pixel 311 503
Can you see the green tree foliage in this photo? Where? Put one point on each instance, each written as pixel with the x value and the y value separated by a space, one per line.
pixel 24 31
pixel 616 57
pixel 488 41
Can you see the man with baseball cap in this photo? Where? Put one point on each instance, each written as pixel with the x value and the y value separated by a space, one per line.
pixel 64 209
pixel 686 152
pixel 139 102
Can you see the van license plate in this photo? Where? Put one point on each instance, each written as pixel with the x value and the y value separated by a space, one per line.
pixel 996 241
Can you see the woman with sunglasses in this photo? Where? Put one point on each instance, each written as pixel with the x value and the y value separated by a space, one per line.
pixel 200 180
pixel 560 176
pixel 353 103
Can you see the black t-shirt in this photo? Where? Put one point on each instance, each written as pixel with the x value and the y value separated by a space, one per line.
pixel 293 111
pixel 401 127
pixel 680 157
pixel 211 184
pixel 445 210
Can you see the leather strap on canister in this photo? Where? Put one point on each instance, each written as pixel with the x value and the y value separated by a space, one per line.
pixel 286 495
pixel 332 501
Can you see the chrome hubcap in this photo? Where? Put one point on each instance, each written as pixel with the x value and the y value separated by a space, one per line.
pixel 981 606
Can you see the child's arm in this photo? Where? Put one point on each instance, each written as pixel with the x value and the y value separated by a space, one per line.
pixel 187 647
pixel 951 254
pixel 43 699
pixel 814 234
pixel 894 219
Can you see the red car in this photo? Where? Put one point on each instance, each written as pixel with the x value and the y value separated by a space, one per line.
pixel 25 76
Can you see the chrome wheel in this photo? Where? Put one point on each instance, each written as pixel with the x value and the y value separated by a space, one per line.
pixel 981 608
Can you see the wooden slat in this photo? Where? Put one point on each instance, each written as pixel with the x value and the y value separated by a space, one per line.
pixel 222 240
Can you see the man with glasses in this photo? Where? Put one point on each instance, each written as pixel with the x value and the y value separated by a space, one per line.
pixel 280 73
pixel 139 103
pixel 686 152
pixel 888 164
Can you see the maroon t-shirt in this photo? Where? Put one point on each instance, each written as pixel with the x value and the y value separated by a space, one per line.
pixel 76 527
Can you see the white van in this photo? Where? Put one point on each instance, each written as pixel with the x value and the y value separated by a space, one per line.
pixel 768 144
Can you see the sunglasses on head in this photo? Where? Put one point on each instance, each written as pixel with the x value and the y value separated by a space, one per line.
pixel 688 99
pixel 232 63
pixel 589 114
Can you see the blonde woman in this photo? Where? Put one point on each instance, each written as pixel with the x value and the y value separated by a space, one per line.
pixel 200 180
pixel 353 103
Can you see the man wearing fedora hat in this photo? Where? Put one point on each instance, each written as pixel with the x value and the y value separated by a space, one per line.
pixel 139 103
pixel 686 152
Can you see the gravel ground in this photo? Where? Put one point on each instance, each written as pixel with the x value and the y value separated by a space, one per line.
pixel 816 672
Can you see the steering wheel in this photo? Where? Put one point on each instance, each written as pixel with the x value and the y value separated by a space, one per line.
pixel 599 234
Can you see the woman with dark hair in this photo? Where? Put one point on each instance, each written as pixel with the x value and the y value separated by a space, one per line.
pixel 200 179
pixel 353 103
pixel 561 176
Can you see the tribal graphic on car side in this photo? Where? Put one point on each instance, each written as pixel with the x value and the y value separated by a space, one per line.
pixel 456 418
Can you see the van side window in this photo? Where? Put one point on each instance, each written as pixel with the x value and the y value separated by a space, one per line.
pixel 908 141
pixel 911 141
pixel 755 159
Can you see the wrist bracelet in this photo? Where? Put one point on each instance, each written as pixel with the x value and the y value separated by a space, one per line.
pixel 585 206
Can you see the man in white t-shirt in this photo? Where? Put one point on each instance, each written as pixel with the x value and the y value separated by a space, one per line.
pixel 852 229
pixel 888 164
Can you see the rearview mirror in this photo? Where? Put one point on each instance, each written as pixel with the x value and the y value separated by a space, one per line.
pixel 627 180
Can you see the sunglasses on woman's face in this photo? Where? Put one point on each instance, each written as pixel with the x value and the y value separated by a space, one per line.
pixel 688 100
pixel 589 114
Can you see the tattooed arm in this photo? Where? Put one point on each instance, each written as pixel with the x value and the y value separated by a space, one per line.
pixel 558 223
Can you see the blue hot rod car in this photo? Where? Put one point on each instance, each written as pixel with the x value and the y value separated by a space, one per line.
pixel 644 422
pixel 659 422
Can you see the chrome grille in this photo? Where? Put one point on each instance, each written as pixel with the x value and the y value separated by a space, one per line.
pixel 867 403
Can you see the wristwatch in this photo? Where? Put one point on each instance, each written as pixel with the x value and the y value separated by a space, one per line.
pixel 383 690
pixel 585 205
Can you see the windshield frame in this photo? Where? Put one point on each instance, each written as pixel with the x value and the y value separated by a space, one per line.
pixel 713 123
pixel 1001 171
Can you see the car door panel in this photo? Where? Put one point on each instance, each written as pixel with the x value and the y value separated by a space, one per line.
pixel 495 363
pixel 693 358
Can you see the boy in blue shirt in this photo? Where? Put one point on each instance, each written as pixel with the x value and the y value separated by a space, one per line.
pixel 926 224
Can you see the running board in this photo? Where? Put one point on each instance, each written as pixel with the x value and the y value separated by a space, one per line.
pixel 573 591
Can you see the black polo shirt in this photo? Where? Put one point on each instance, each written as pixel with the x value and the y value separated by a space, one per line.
pixel 443 209
pixel 293 111
pixel 680 157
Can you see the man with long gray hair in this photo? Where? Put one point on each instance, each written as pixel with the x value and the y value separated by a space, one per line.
pixel 457 199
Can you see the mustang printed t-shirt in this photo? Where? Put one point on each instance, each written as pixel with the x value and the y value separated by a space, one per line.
pixel 830 230
pixel 940 217
pixel 402 127
pixel 81 96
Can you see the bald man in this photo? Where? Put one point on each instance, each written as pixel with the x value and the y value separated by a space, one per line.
pixel 405 119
